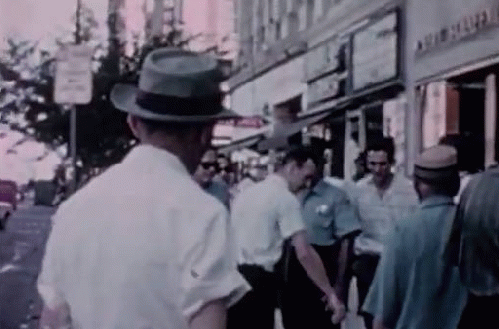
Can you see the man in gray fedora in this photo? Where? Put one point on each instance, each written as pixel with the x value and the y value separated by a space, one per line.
pixel 142 246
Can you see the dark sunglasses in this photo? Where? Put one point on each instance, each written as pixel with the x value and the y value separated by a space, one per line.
pixel 208 165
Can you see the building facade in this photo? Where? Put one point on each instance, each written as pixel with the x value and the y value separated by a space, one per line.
pixel 453 58
pixel 330 72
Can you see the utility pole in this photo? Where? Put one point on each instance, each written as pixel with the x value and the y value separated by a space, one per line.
pixel 72 110
pixel 78 23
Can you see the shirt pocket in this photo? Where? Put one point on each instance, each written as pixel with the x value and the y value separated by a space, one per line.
pixel 323 216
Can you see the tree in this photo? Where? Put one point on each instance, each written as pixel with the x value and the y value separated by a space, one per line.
pixel 27 104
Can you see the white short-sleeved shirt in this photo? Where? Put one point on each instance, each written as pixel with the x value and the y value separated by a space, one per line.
pixel 141 246
pixel 379 215
pixel 263 216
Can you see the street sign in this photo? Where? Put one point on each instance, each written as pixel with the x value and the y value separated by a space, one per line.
pixel 73 77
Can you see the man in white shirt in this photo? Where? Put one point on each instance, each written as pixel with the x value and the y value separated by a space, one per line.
pixel 264 216
pixel 383 199
pixel 142 246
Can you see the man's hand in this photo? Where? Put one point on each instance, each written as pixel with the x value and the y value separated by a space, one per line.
pixel 334 304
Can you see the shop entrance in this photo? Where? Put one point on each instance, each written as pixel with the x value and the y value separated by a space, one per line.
pixel 363 124
pixel 472 109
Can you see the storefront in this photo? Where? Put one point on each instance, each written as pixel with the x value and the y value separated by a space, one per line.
pixel 278 86
pixel 277 95
pixel 454 75
pixel 357 78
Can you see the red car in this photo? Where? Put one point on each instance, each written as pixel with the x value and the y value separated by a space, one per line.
pixel 8 201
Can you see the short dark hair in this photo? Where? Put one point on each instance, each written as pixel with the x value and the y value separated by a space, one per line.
pixel 172 128
pixel 385 144
pixel 301 155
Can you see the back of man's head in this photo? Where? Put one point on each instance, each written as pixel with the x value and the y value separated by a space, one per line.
pixel 176 129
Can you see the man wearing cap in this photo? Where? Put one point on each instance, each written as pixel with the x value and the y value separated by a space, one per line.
pixel 415 286
pixel 142 246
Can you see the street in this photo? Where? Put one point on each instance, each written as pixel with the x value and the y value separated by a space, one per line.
pixel 21 250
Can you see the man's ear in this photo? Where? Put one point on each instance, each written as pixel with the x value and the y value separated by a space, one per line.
pixel 134 124
pixel 290 167
pixel 206 134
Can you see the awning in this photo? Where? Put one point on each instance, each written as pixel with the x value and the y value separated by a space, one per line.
pixel 237 145
pixel 283 131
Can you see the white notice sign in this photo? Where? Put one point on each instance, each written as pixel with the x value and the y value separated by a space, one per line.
pixel 73 78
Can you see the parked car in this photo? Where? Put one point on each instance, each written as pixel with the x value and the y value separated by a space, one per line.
pixel 8 201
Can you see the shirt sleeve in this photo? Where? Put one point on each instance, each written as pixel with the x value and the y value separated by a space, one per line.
pixel 290 218
pixel 384 298
pixel 346 218
pixel 209 270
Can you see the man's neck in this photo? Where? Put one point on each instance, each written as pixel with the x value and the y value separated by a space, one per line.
pixel 383 186
pixel 175 147
pixel 281 173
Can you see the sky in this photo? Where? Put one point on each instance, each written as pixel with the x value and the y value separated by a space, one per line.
pixel 35 20
pixel 43 20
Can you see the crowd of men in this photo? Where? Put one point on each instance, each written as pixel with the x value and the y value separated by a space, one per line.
pixel 157 241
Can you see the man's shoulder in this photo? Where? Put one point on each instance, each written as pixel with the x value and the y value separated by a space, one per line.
pixel 333 193
pixel 401 181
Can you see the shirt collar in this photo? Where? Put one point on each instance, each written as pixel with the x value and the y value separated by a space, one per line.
pixel 151 154
pixel 437 200
pixel 319 188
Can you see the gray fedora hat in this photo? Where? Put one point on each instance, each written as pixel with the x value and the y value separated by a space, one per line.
pixel 175 85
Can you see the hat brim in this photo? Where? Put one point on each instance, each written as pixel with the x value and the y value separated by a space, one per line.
pixel 435 174
pixel 123 98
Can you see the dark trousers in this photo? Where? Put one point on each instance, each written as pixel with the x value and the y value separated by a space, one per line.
pixel 480 312
pixel 256 310
pixel 364 268
pixel 300 299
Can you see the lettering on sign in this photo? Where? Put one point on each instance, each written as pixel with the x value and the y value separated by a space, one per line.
pixel 73 78
pixel 465 27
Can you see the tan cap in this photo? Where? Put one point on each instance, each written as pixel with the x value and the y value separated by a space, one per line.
pixel 436 162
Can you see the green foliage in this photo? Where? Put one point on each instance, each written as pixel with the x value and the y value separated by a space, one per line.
pixel 103 137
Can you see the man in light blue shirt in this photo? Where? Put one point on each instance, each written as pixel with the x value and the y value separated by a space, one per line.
pixel 331 222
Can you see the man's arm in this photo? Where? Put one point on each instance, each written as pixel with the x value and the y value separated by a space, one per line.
pixel 343 259
pixel 314 267
pixel 212 316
